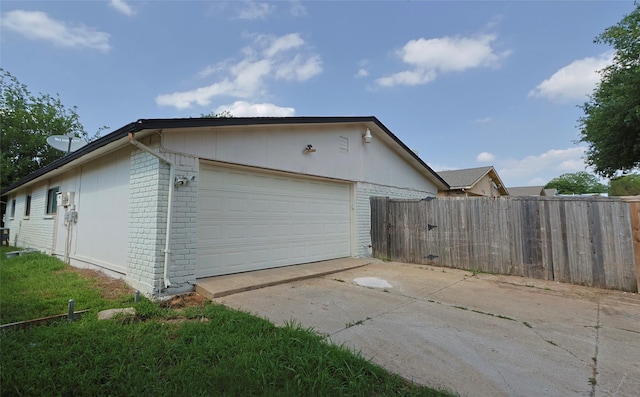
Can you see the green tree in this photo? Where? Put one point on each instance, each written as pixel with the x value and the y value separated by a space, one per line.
pixel 225 114
pixel 576 183
pixel 611 125
pixel 628 185
pixel 25 123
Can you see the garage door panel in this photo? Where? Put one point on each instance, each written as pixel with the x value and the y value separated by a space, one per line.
pixel 250 220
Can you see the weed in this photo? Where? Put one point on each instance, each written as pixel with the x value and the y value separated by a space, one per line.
pixel 490 314
pixel 461 307
pixel 551 342
pixel 592 381
pixel 339 280
pixel 526 324
pixel 475 272
pixel 359 322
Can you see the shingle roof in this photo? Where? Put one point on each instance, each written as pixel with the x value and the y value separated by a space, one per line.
pixel 465 178
pixel 527 191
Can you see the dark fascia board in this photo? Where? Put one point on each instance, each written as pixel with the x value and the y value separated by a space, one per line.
pixel 154 124
pixel 98 143
pixel 437 178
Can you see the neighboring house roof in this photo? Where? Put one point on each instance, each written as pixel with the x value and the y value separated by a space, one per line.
pixel 527 191
pixel 550 192
pixel 119 137
pixel 468 177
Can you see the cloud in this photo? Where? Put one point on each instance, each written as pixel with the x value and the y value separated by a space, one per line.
pixel 483 120
pixel 269 58
pixel 122 7
pixel 408 77
pixel 246 80
pixel 254 11
pixel 545 166
pixel 485 157
pixel 37 25
pixel 297 9
pixel 283 43
pixel 299 68
pixel 428 58
pixel 363 68
pixel 246 109
pixel 573 82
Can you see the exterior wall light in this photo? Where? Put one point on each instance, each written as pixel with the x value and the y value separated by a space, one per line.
pixel 366 137
pixel 184 180
pixel 309 149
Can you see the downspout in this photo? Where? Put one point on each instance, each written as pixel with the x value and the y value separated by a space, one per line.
pixel 167 250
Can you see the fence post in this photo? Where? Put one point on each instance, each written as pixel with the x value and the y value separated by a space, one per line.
pixel 70 314
pixel 634 208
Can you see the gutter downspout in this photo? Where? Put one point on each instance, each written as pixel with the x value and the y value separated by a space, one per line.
pixel 167 250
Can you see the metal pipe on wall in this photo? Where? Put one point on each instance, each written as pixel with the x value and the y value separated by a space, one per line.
pixel 167 249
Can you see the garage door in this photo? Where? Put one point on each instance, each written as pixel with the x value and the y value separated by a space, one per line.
pixel 250 220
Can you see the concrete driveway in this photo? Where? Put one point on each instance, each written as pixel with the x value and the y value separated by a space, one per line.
pixel 477 335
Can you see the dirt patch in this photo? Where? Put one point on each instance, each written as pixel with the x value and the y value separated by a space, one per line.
pixel 109 287
pixel 188 300
pixel 114 288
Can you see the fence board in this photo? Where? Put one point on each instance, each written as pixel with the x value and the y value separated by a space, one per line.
pixel 379 226
pixel 588 241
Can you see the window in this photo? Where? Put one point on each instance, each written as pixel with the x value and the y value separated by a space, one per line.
pixel 52 201
pixel 13 208
pixel 27 207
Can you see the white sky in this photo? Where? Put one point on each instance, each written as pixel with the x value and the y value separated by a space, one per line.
pixel 466 84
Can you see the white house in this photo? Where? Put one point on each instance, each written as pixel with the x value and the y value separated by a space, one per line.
pixel 163 202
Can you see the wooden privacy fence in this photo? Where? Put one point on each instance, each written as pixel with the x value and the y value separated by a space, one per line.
pixel 585 240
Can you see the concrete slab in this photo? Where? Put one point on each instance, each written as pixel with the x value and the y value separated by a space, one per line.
pixel 111 313
pixel 216 287
pixel 477 335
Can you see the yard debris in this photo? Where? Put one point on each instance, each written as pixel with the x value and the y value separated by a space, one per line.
pixel 111 313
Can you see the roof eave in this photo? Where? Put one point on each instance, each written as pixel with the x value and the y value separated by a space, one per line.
pixel 72 157
pixel 157 124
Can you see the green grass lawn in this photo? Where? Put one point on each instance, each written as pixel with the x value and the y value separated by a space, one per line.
pixel 197 351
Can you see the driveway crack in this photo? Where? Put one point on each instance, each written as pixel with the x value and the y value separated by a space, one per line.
pixel 594 380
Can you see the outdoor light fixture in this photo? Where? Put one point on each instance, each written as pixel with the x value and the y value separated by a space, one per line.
pixel 184 180
pixel 366 137
pixel 309 149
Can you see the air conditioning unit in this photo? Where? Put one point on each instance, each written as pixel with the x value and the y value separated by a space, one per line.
pixel 65 199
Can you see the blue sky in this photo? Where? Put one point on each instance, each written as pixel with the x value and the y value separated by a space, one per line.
pixel 466 84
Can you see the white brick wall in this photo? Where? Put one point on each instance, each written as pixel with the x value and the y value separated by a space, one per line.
pixel 364 191
pixel 184 232
pixel 148 204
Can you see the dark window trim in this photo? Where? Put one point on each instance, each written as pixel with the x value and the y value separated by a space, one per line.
pixel 52 200
pixel 27 206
